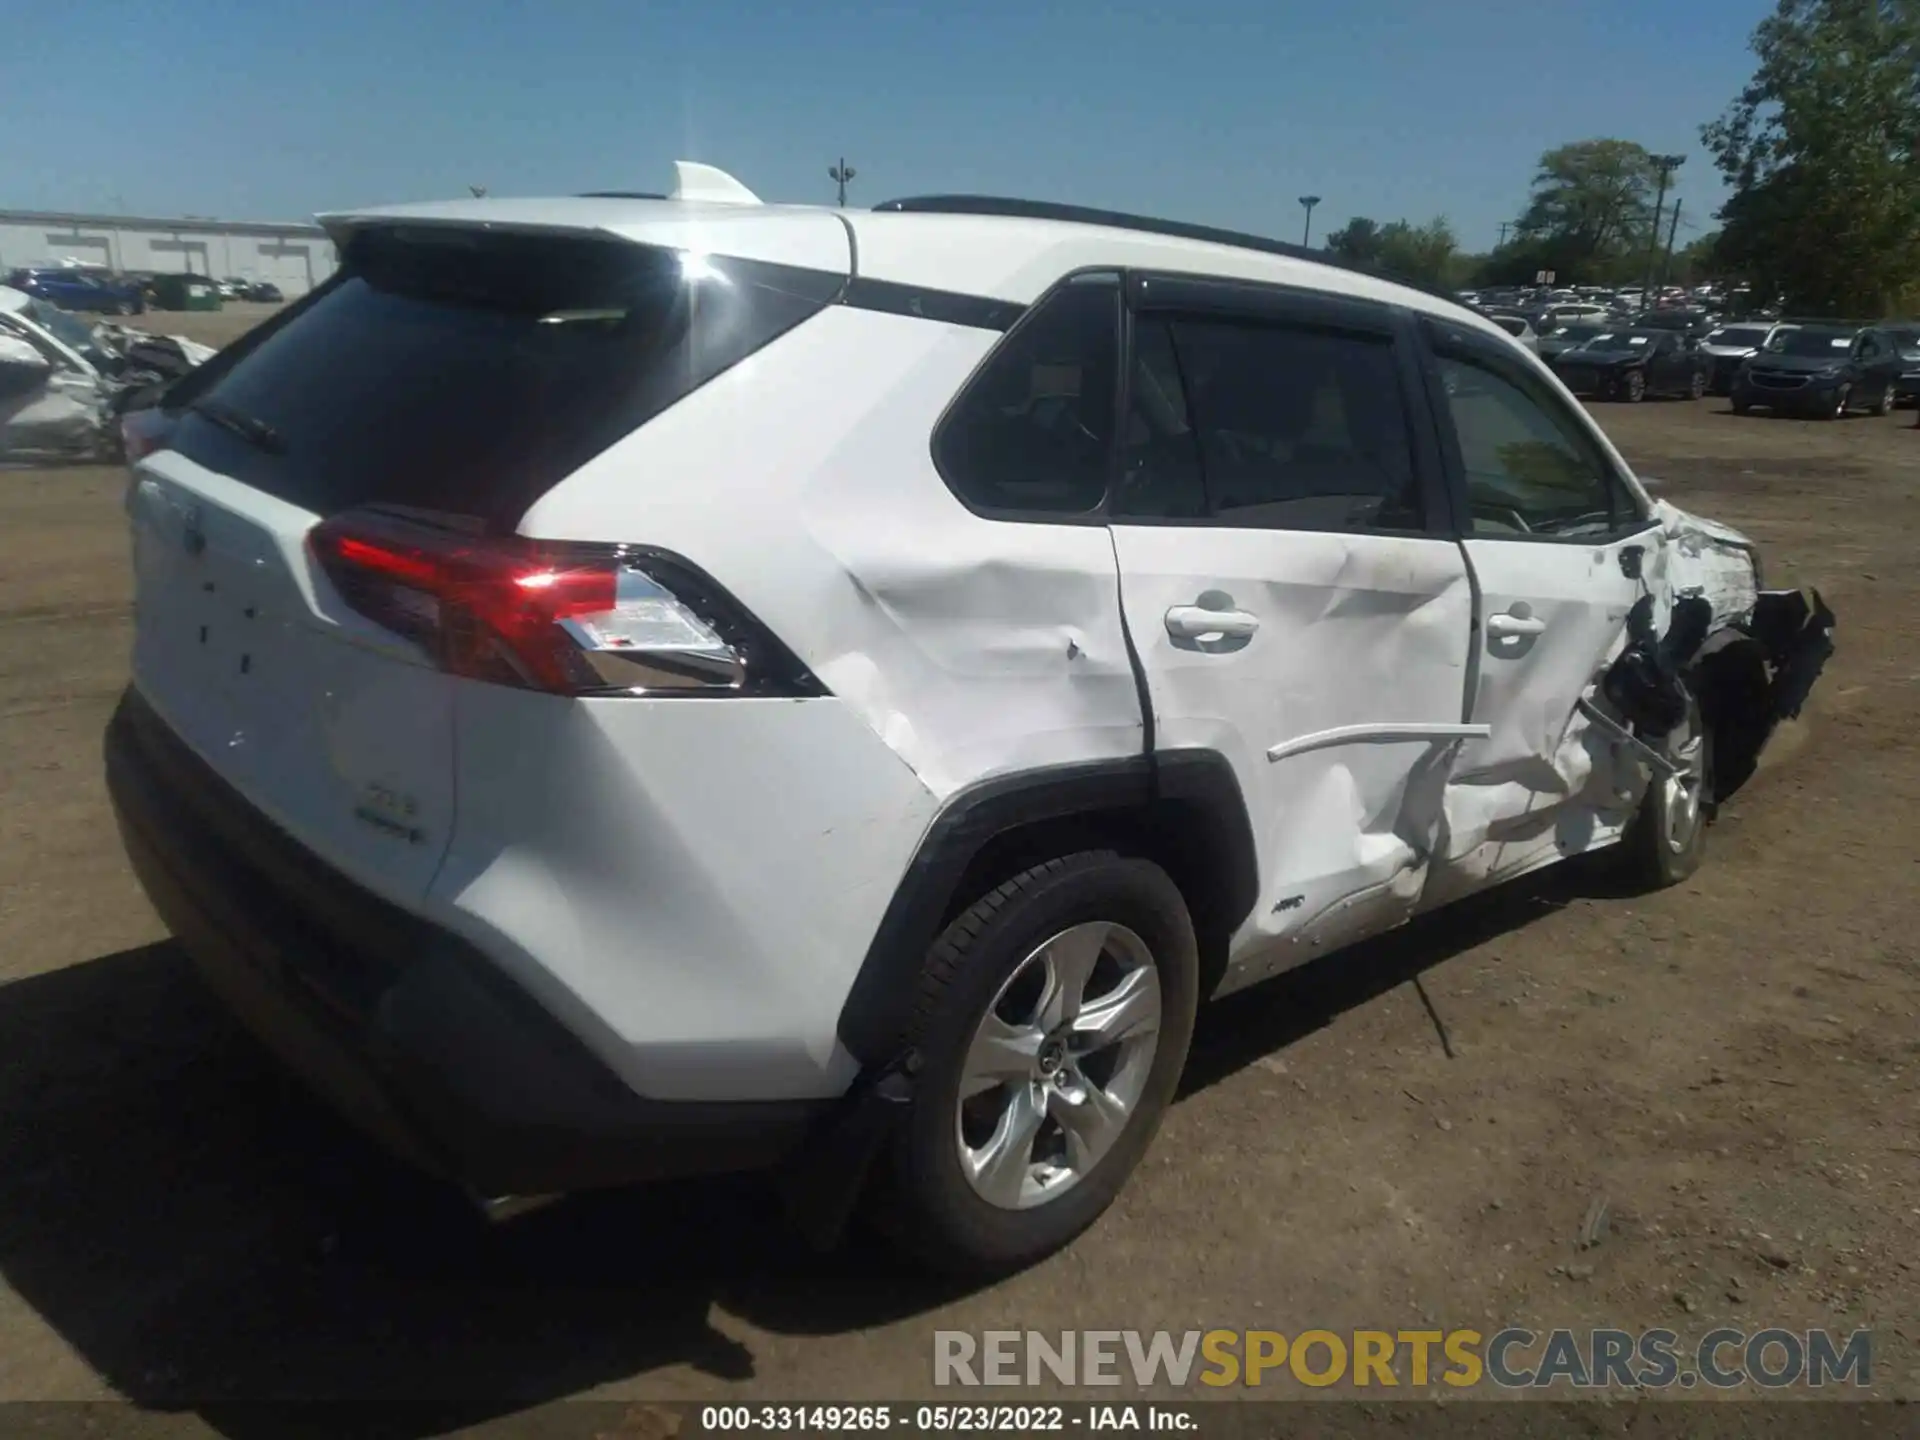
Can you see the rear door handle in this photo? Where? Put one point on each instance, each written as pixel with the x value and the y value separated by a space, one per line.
pixel 1194 622
pixel 1515 625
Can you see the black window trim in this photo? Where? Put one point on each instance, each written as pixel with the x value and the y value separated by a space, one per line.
pixel 1214 298
pixel 1436 342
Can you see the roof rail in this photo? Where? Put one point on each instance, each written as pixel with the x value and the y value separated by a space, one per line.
pixel 1148 225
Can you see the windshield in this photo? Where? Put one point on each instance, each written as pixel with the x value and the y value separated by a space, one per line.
pixel 1832 343
pixel 1512 324
pixel 59 324
pixel 1906 337
pixel 1617 340
pixel 1752 336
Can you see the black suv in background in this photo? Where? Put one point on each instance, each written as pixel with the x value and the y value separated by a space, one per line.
pixel 1823 370
pixel 1631 364
pixel 1906 339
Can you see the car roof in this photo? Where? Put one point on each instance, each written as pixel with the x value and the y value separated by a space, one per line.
pixel 1007 250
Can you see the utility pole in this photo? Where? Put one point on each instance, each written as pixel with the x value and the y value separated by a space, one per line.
pixel 1666 265
pixel 1503 234
pixel 1307 203
pixel 1666 164
pixel 840 174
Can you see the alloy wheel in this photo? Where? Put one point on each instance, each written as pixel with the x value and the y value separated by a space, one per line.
pixel 1683 807
pixel 1057 1065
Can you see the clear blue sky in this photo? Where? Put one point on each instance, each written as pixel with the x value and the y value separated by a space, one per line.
pixel 1219 111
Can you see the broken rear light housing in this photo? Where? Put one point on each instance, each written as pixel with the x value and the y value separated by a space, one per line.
pixel 561 617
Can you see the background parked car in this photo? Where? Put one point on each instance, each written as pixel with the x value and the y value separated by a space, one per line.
pixel 1517 326
pixel 1906 340
pixel 1633 364
pixel 1823 370
pixel 264 291
pixel 1691 323
pixel 76 289
pixel 1562 338
pixel 1729 347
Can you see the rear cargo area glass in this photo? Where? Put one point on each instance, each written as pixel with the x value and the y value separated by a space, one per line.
pixel 467 372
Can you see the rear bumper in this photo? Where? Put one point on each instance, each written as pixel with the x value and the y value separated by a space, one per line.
pixel 407 1029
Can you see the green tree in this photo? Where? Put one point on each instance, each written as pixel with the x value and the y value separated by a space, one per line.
pixel 1418 252
pixel 1358 241
pixel 1591 210
pixel 1822 151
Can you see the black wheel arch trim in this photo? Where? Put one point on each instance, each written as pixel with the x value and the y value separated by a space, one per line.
pixel 1189 794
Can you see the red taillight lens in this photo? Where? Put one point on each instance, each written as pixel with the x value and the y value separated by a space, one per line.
pixel 490 609
pixel 573 619
pixel 142 432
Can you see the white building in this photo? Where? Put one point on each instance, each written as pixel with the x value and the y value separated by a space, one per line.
pixel 294 257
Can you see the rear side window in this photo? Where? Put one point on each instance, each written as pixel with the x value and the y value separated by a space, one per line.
pixel 1031 436
pixel 1267 426
pixel 461 372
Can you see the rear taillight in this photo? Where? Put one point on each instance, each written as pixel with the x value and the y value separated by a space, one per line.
pixel 142 432
pixel 568 618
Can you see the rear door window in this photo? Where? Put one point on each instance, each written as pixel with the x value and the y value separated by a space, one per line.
pixel 468 373
pixel 1268 426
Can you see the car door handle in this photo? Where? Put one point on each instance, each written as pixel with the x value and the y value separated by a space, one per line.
pixel 1515 625
pixel 1191 622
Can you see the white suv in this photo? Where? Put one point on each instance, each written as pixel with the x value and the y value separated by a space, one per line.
pixel 626 687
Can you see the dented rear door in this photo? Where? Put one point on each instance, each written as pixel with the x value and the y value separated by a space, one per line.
pixel 1292 594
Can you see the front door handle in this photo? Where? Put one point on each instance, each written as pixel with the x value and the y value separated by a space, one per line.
pixel 1195 622
pixel 1515 624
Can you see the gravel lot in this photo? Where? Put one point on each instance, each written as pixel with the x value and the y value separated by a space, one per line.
pixel 1731 1066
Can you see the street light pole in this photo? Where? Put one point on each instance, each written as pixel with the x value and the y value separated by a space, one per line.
pixel 840 174
pixel 1666 164
pixel 1307 202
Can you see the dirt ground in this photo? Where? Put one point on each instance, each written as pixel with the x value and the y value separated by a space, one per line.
pixel 209 327
pixel 1730 1066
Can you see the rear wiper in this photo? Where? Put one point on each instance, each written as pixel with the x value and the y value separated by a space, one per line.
pixel 254 431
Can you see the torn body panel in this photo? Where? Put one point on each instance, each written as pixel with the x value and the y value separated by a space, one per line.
pixel 1543 783
pixel 1711 560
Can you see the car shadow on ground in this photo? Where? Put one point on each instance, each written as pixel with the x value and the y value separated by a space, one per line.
pixel 208 1238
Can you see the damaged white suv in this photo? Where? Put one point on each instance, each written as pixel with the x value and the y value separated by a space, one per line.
pixel 626 687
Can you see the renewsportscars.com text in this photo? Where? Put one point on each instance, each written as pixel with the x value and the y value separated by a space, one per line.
pixel 1512 1358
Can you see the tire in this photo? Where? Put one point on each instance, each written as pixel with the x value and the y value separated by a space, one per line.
pixel 1667 838
pixel 1634 388
pixel 1885 405
pixel 1841 398
pixel 124 307
pixel 1740 405
pixel 995 963
pixel 1697 387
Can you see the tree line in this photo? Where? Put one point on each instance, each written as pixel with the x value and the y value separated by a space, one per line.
pixel 1821 153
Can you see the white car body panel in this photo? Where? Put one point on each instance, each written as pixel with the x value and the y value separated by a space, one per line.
pixel 689 884
pixel 1336 713
pixel 972 646
pixel 335 728
pixel 1543 784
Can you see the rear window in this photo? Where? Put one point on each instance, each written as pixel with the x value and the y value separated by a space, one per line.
pixel 449 370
